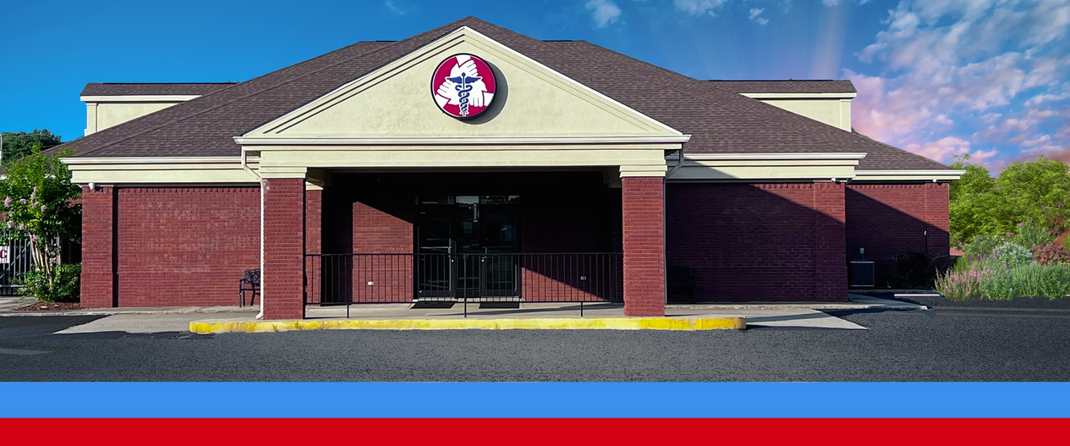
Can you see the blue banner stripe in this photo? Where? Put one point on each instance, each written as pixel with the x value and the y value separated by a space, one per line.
pixel 535 400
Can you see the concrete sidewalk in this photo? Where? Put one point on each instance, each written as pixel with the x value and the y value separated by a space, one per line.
pixel 529 315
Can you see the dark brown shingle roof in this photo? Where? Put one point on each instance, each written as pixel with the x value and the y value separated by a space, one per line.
pixel 789 86
pixel 719 119
pixel 151 89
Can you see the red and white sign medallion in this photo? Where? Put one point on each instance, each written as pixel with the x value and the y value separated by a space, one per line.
pixel 463 86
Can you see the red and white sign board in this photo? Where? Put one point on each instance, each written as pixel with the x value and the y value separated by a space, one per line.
pixel 5 254
pixel 463 86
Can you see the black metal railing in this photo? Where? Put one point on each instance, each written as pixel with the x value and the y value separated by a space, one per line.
pixel 344 279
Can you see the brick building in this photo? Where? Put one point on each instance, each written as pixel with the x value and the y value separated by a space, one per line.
pixel 529 170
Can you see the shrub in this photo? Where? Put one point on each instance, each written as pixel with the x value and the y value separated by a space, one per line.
pixel 63 288
pixel 1050 253
pixel 982 244
pixel 996 282
pixel 1051 281
pixel 962 283
pixel 910 271
pixel 1012 255
pixel 1029 234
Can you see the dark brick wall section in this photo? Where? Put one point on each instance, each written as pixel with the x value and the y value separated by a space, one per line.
pixel 97 231
pixel 185 246
pixel 892 219
pixel 830 270
pixel 284 248
pixel 759 242
pixel 643 221
pixel 376 231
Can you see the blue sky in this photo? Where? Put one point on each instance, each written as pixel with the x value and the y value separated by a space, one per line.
pixel 940 78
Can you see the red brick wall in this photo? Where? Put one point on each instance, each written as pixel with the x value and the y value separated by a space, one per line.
pixel 97 231
pixel 892 219
pixel 183 246
pixel 759 242
pixel 582 218
pixel 829 263
pixel 643 218
pixel 314 221
pixel 284 248
pixel 381 278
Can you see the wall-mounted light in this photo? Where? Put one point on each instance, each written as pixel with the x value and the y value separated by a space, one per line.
pixel 93 186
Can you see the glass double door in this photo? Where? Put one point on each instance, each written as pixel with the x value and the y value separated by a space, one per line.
pixel 467 247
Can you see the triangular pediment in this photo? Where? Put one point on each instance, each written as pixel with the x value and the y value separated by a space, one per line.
pixel 396 101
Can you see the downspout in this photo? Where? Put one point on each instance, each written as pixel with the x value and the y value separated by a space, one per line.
pixel 245 165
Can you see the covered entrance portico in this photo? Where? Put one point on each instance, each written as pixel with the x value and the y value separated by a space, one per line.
pixel 482 236
pixel 578 239
pixel 542 129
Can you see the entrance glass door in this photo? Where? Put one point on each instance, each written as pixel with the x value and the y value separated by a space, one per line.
pixel 467 247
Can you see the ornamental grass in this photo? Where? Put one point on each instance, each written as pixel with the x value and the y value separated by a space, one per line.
pixel 993 279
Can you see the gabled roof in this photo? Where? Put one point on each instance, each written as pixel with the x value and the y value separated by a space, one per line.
pixel 151 89
pixel 788 86
pixel 719 119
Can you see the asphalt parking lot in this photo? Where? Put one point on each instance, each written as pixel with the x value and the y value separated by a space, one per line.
pixel 949 343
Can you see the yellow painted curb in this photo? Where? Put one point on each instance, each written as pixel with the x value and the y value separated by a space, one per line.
pixel 645 323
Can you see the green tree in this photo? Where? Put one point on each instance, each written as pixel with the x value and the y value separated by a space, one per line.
pixel 980 204
pixel 1037 191
pixel 972 200
pixel 39 204
pixel 20 144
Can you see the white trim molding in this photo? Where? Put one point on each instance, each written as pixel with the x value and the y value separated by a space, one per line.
pixel 70 161
pixel 908 175
pixel 261 142
pixel 140 98
pixel 769 156
pixel 162 170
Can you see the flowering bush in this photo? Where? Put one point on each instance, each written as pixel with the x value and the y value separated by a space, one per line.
pixel 39 205
pixel 1011 255
pixel 962 283
pixel 1029 234
pixel 980 280
pixel 1050 253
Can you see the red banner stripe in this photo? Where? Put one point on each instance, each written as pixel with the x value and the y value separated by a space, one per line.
pixel 823 431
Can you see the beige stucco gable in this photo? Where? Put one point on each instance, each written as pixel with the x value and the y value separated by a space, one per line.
pixel 395 102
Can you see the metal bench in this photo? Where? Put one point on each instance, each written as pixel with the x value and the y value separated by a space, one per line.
pixel 250 283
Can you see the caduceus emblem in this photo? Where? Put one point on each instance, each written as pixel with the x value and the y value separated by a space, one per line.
pixel 465 87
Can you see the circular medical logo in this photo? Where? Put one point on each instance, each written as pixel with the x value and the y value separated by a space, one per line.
pixel 463 86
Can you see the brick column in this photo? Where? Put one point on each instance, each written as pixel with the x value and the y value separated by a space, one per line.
pixel 283 223
pixel 98 279
pixel 643 224
pixel 937 217
pixel 830 242
pixel 313 219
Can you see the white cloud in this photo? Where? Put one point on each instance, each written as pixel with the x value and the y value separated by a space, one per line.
pixel 754 12
pixel 605 12
pixel 943 150
pixel 393 8
pixel 830 2
pixel 699 7
pixel 950 65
